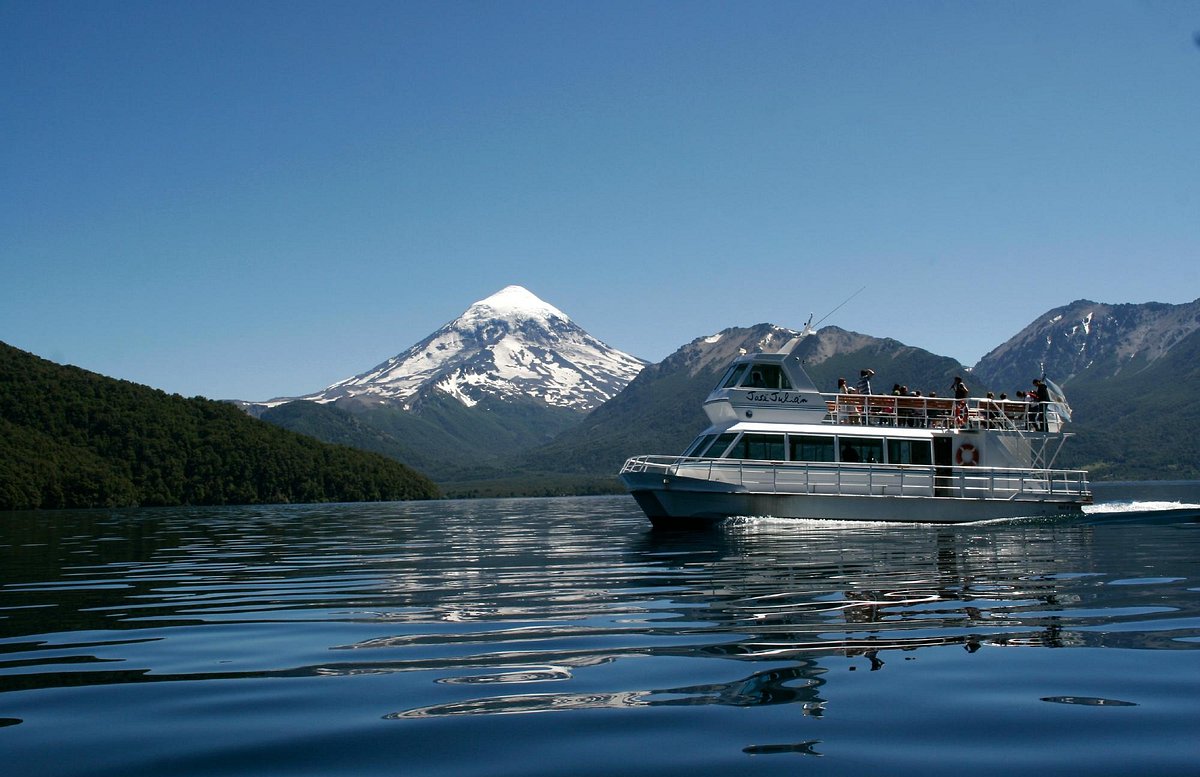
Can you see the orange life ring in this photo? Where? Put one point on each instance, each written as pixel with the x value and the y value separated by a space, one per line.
pixel 966 455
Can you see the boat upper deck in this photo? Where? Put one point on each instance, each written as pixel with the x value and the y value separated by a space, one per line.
pixel 919 412
pixel 775 388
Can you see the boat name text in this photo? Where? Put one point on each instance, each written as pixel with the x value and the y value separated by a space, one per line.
pixel 777 397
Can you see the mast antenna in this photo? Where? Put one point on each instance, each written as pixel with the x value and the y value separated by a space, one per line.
pixel 847 299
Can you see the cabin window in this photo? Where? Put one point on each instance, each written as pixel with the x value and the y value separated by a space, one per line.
pixel 734 375
pixel 810 448
pixel 868 450
pixel 700 444
pixel 768 376
pixel 718 447
pixel 910 452
pixel 767 447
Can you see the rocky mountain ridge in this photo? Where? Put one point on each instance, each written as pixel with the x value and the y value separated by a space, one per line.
pixel 1092 339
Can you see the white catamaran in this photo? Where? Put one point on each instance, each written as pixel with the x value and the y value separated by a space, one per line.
pixel 777 447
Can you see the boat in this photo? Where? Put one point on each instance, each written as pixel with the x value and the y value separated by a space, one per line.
pixel 776 446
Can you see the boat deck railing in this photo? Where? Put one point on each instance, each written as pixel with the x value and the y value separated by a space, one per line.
pixel 844 479
pixel 942 413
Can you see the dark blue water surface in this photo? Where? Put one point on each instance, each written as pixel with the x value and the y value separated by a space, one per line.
pixel 564 636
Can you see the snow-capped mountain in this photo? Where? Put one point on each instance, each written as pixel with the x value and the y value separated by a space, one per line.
pixel 1090 337
pixel 510 345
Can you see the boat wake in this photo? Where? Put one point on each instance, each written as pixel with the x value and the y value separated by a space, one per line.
pixel 765 521
pixel 1105 511
pixel 1137 507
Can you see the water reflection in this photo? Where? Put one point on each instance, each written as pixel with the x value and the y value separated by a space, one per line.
pixel 779 592
pixel 557 605
pixel 1089 701
pixel 843 590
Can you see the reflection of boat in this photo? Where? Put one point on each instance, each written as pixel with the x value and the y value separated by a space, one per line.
pixel 778 610
pixel 808 590
pixel 776 446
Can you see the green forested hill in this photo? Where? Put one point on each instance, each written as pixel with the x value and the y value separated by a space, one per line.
pixel 1138 422
pixel 442 437
pixel 72 438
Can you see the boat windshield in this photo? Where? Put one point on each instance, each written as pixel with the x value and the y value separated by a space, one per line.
pixel 717 449
pixel 734 376
pixel 770 376
pixel 700 444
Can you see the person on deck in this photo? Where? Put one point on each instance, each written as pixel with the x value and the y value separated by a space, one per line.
pixel 847 410
pixel 1028 409
pixel 864 381
pixel 1041 396
pixel 961 392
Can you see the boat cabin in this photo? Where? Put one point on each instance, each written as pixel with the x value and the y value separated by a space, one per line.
pixel 765 387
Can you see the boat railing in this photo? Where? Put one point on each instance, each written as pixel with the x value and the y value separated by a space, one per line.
pixel 844 479
pixel 920 412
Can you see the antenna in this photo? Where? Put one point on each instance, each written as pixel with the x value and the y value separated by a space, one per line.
pixel 830 313
pixel 791 344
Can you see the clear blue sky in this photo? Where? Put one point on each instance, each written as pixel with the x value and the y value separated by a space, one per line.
pixel 252 199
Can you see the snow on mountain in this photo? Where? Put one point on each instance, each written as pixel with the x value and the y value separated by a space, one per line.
pixel 510 345
pixel 1087 336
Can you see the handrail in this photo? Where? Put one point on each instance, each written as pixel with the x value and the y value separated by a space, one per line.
pixel 789 477
pixel 923 412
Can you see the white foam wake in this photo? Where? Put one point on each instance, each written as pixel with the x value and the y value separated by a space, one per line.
pixel 1137 507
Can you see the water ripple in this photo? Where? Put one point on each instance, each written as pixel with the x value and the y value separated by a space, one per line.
pixel 467 611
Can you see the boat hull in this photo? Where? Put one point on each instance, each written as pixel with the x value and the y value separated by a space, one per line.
pixel 674 502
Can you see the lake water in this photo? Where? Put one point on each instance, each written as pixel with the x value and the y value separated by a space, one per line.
pixel 564 636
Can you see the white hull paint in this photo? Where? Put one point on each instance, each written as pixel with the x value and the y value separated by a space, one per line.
pixel 684 503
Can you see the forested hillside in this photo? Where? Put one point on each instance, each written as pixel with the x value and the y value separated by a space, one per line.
pixel 1138 422
pixel 441 437
pixel 72 438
